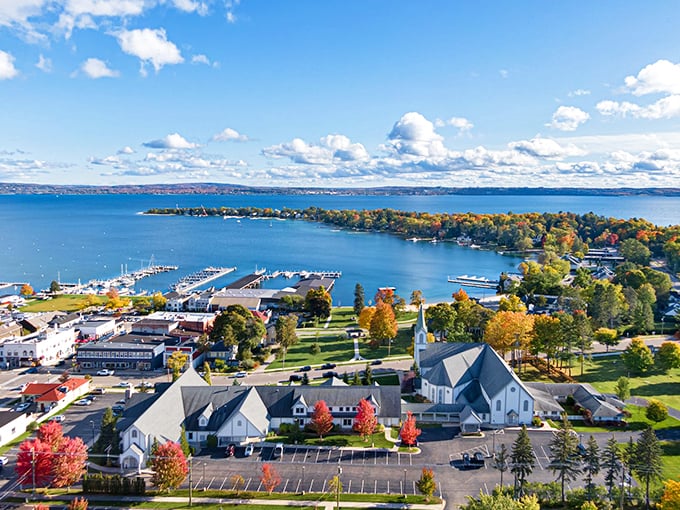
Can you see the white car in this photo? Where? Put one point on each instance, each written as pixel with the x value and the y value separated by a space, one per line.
pixel 83 402
pixel 22 407
pixel 240 374
pixel 104 371
pixel 249 450
pixel 3 461
pixel 124 384
pixel 58 418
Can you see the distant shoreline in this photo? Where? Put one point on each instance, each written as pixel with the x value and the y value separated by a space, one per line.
pixel 232 189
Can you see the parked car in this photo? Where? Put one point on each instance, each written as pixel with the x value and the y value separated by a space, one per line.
pixel 230 450
pixel 330 374
pixel 328 366
pixel 295 378
pixel 83 402
pixel 376 362
pixel 121 401
pixel 250 448
pixel 124 384
pixel 58 418
pixel 98 391
pixel 22 407
pixel 118 409
pixel 306 368
pixel 146 384
pixel 278 451
pixel 104 371
pixel 3 461
pixel 240 374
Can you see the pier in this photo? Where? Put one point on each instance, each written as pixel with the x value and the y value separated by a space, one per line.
pixel 7 285
pixel 251 281
pixel 122 282
pixel 474 281
pixel 304 274
pixel 202 277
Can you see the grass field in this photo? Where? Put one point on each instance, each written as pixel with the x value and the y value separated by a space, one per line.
pixel 378 440
pixel 64 303
pixel 603 373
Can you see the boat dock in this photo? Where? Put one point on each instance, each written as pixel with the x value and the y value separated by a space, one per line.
pixel 251 281
pixel 474 281
pixel 202 277
pixel 305 274
pixel 7 285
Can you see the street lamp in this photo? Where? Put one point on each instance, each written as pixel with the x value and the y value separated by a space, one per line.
pixel 92 425
pixel 337 489
pixel 403 489
pixel 662 319
pixel 204 464
pixel 303 479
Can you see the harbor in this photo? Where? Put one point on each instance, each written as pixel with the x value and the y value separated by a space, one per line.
pixel 474 281
pixel 200 278
pixel 122 283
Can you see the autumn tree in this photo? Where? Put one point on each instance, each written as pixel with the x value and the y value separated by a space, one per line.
pixel 51 433
pixel 358 299
pixel 322 419
pixel 34 463
pixel 606 336
pixel 207 374
pixel 668 356
pixel 383 323
pixel 426 483
pixel 505 329
pixel 26 290
pixel 68 466
pixel 416 298
pixel 365 317
pixel 656 410
pixel 670 500
pixel 169 466
pixel 512 303
pixel 176 362
pixel 637 356
pixel 365 420
pixel 286 336
pixel 78 504
pixel 409 432
pixel 158 301
pixel 270 478
pixel 318 303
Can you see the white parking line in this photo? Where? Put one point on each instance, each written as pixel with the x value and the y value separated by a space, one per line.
pixel 351 456
pixel 486 489
pixel 223 482
pixel 375 488
pixel 211 482
pixel 375 457
pixel 294 454
pixel 349 486
pixel 362 486
pixel 297 489
pixel 317 455
pixel 410 460
pixel 247 484
pixel 329 456
pixel 387 461
pixel 323 489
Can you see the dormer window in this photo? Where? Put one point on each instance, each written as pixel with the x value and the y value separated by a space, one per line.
pixel 202 422
pixel 299 410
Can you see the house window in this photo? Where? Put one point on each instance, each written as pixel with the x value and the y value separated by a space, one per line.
pixel 347 422
pixel 191 436
pixel 202 422
pixel 239 423
pixel 134 434
pixel 299 410
pixel 526 405
pixel 498 405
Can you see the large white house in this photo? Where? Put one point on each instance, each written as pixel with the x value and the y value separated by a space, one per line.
pixel 471 379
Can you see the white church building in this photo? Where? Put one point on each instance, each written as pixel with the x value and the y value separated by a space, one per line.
pixel 470 380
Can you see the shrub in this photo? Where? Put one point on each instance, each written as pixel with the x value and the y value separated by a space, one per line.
pixel 656 411
pixel 536 421
pixel 315 348
pixel 211 441
pixel 570 400
pixel 248 364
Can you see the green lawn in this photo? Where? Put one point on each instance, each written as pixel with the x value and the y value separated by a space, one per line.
pixel 376 440
pixel 603 373
pixel 671 459
pixel 637 421
pixel 335 347
pixel 403 341
pixel 64 303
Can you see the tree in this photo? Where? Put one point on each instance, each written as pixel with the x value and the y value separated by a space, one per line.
pixel 318 303
pixel 358 299
pixel 34 463
pixel 522 460
pixel 505 329
pixel 51 433
pixel 606 303
pixel 335 486
pixel 441 318
pixel 65 376
pixel 238 326
pixel 26 290
pixel 500 461
pixel 383 323
pixel 409 432
pixel 54 286
pixel 670 500
pixel 368 375
pixel 270 478
pixel 305 379
pixel 634 251
pixel 78 504
pixel 668 356
pixel 611 461
pixel 322 419
pixel 366 316
pixel 637 356
pixel 69 465
pixel 365 420
pixel 426 483
pixel 656 410
pixel 591 465
pixel 176 362
pixel 622 388
pixel 417 298
pixel 158 301
pixel 564 456
pixel 606 336
pixel 169 466
pixel 646 462
pixel 547 337
pixel 511 304
pixel 286 335
pixel 108 441
pixel 356 380
pixel 315 348
pixel 207 375
pixel 184 442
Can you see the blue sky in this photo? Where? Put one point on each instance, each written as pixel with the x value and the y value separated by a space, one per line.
pixel 351 93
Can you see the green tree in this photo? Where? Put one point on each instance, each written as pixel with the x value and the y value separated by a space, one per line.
pixel 634 251
pixel 646 462
pixel 441 319
pixel 656 410
pixel 416 298
pixel 622 388
pixel 368 375
pixel 356 380
pixel 426 483
pixel 606 336
pixel 207 375
pixel 184 443
pixel 315 348
pixel 591 465
pixel 500 461
pixel 335 487
pixel 176 362
pixel 108 441
pixel 606 303
pixel 638 357
pixel 547 337
pixel 522 460
pixel 238 326
pixel 564 456
pixel 318 303
pixel 359 299
pixel 305 379
pixel 611 461
pixel 668 356
pixel 55 287
pixel 286 334
pixel 158 301
pixel 501 501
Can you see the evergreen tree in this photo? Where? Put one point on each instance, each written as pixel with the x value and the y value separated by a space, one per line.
pixel 184 443
pixel 207 375
pixel 646 463
pixel 611 461
pixel 500 461
pixel 358 299
pixel 108 436
pixel 305 379
pixel 591 465
pixel 564 456
pixel 522 460
pixel 356 380
pixel 368 378
pixel 345 377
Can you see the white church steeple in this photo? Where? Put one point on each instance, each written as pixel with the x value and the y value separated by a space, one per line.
pixel 420 335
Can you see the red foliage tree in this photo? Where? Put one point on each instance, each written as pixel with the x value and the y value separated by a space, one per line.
pixel 69 465
pixel 51 433
pixel 169 466
pixel 409 433
pixel 34 463
pixel 365 420
pixel 322 419
pixel 270 478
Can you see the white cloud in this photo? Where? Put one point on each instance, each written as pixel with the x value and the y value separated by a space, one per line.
pixel 665 108
pixel 611 108
pixel 331 149
pixel 568 118
pixel 150 46
pixel 461 123
pixel 548 148
pixel 191 6
pixel 126 150
pixel 633 142
pixel 44 64
pixel 578 92
pixel 171 141
pixel 95 68
pixel 108 8
pixel 343 148
pixel 7 69
pixel 200 59
pixel 229 134
pixel 662 76
pixel 414 135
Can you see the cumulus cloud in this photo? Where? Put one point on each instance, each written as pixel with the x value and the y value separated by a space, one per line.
pixel 414 135
pixel 568 118
pixel 191 6
pixel 665 108
pixel 578 92
pixel 171 141
pixel 331 148
pixel 229 135
pixel 95 68
pixel 461 123
pixel 150 46
pixel 343 149
pixel 126 150
pixel 44 64
pixel 200 59
pixel 547 148
pixel 662 76
pixel 7 69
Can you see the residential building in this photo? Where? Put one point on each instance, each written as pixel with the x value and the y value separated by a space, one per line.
pixel 13 424
pixel 550 396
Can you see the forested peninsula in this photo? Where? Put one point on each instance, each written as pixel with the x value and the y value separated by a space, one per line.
pixel 560 233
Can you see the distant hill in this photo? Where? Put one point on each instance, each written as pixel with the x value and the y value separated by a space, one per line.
pixel 236 189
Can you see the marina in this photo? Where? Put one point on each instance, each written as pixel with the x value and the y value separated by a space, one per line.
pixel 200 278
pixel 122 283
pixel 474 281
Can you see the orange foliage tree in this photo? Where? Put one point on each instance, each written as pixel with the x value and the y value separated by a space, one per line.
pixel 506 328
pixel 409 433
pixel 270 478
pixel 365 420
pixel 322 419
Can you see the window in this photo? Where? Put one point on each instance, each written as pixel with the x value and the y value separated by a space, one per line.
pixel 498 405
pixel 239 423
pixel 347 422
pixel 299 410
pixel 191 436
pixel 134 434
pixel 526 405
pixel 513 389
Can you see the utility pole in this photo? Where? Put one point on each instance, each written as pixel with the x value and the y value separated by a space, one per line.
pixel 337 490
pixel 33 468
pixel 191 482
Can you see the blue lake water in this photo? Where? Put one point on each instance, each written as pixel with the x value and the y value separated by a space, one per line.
pixel 43 237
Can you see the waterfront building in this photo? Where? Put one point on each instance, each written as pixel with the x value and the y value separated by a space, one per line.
pixel 47 347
